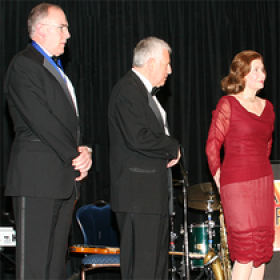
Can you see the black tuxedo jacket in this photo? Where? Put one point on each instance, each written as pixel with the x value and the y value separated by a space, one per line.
pixel 139 150
pixel 46 128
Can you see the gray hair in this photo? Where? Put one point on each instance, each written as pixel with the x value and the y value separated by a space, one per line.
pixel 147 48
pixel 37 14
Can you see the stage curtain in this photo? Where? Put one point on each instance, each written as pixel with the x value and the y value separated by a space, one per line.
pixel 204 36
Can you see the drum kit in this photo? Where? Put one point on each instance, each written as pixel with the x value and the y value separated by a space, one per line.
pixel 200 238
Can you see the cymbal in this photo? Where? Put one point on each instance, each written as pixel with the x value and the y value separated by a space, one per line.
pixel 177 182
pixel 200 194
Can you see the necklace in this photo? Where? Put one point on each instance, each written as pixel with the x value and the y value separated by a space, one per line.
pixel 248 98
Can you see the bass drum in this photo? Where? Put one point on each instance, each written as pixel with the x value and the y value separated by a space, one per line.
pixel 198 243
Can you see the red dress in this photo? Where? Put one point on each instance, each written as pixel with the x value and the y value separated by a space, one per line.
pixel 246 177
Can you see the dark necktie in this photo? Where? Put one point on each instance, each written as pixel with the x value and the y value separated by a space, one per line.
pixel 154 91
pixel 56 59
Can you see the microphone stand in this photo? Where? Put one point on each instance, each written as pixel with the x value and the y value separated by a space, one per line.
pixel 173 238
pixel 173 235
pixel 185 270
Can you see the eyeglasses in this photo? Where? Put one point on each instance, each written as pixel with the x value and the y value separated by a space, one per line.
pixel 61 27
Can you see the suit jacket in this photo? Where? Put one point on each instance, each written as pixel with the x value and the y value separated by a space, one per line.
pixel 139 150
pixel 46 128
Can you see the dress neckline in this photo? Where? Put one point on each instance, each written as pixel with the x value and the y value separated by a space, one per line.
pixel 254 114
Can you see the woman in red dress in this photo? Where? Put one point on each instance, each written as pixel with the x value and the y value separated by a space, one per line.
pixel 243 124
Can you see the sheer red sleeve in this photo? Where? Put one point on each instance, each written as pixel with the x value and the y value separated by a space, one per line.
pixel 269 146
pixel 217 132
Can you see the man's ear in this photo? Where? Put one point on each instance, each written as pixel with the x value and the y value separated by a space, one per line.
pixel 40 30
pixel 151 62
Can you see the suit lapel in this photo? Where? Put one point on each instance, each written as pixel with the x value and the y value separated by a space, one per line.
pixel 60 79
pixel 151 102
pixel 155 109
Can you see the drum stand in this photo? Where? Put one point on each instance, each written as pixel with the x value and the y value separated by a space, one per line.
pixel 211 224
pixel 184 270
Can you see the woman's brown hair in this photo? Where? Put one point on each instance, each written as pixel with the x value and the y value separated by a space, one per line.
pixel 240 67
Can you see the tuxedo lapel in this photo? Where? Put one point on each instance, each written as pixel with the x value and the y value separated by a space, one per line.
pixel 151 102
pixel 59 78
pixel 155 109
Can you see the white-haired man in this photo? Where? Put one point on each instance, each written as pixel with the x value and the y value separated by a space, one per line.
pixel 141 154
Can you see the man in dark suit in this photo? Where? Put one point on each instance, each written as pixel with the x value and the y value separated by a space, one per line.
pixel 141 154
pixel 46 162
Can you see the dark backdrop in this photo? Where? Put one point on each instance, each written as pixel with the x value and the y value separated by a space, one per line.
pixel 204 36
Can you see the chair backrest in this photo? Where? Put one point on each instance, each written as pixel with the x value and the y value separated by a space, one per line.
pixel 98 225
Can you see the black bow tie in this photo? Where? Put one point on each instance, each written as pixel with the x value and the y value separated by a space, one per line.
pixel 154 91
pixel 55 59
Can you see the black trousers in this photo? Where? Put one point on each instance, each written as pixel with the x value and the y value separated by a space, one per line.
pixel 42 228
pixel 144 246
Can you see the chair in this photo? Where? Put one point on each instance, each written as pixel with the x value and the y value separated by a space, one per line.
pixel 99 231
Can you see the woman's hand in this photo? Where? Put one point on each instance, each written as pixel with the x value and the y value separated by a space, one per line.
pixel 217 179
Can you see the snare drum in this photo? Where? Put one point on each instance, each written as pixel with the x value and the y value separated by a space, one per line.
pixel 198 243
